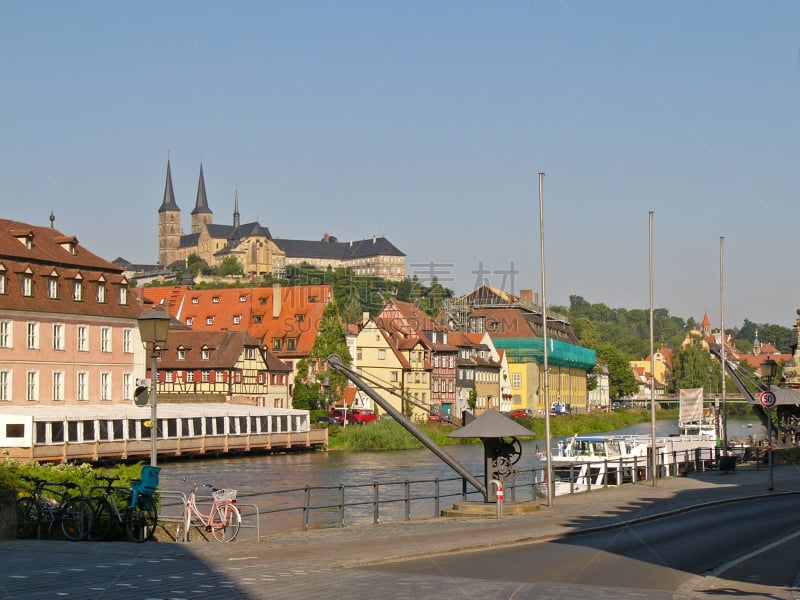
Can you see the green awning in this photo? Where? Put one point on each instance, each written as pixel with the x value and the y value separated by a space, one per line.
pixel 562 354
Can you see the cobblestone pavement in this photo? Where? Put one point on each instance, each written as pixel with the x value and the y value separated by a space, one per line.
pixel 333 563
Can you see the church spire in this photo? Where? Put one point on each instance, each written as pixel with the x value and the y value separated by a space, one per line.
pixel 236 209
pixel 169 195
pixel 201 205
pixel 201 215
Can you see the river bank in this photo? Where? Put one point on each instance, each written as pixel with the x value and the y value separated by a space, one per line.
pixel 386 434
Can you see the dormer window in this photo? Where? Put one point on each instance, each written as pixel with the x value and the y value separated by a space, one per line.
pixel 52 288
pixel 205 354
pixel 189 321
pixel 243 298
pixel 215 299
pixel 123 294
pixel 276 344
pixel 237 319
pixel 101 293
pixel 195 300
pixel 181 353
pixel 27 285
pixel 77 291
pixel 300 318
pixel 209 320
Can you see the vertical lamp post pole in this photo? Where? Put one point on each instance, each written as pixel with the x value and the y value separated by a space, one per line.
pixel 768 369
pixel 153 329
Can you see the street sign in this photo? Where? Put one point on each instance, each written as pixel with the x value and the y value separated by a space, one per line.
pixel 141 396
pixel 767 399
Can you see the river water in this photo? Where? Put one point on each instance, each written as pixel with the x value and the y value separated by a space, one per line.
pixel 257 477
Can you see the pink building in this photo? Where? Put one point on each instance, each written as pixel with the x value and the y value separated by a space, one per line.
pixel 68 329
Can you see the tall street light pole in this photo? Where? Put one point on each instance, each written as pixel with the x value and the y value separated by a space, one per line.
pixel 768 369
pixel 153 329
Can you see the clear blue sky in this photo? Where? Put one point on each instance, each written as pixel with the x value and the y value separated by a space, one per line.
pixel 428 122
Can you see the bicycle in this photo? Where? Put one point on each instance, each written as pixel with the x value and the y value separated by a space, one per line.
pixel 223 519
pixel 139 523
pixel 51 502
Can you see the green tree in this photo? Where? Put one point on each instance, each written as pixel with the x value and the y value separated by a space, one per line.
pixel 473 398
pixel 316 382
pixel 230 265
pixel 195 264
pixel 621 381
pixel 691 367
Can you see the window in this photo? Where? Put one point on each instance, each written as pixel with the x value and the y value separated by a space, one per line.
pixel 189 321
pixel 181 353
pixel 276 344
pixel 451 361
pixel 27 285
pixel 83 338
pixel 169 376
pixel 243 298
pixel 258 318
pixel 33 336
pixel 215 299
pixel 381 354
pixel 82 389
pixel 300 318
pixel 5 334
pixel 291 344
pixel 250 353
pixel 77 291
pixel 105 339
pixel 123 294
pixel 52 288
pixel 189 376
pixel 101 293
pixel 2 283
pixel 127 386
pixel 393 377
pixel 358 354
pixel 58 336
pixel 195 300
pixel 5 386
pixel 105 386
pixel 516 381
pixel 205 376
pixel 436 361
pixel 32 386
pixel 450 386
pixel 127 341
pixel 58 386
pixel 209 320
pixel 237 319
pixel 205 354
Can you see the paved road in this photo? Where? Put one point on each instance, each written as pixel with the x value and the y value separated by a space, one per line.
pixel 346 563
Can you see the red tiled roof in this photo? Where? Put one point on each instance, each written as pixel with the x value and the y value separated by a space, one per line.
pixel 254 310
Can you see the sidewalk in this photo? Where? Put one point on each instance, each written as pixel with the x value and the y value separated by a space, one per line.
pixel 326 563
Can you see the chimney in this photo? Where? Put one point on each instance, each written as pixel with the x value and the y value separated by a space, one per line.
pixel 276 300
pixel 374 239
pixel 526 296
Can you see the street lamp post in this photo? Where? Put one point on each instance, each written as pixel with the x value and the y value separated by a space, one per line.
pixel 153 329
pixel 768 369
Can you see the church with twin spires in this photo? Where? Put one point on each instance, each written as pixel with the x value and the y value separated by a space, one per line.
pixel 254 247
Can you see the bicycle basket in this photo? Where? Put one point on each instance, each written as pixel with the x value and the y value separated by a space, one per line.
pixel 224 494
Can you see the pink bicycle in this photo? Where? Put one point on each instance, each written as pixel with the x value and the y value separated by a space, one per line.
pixel 222 521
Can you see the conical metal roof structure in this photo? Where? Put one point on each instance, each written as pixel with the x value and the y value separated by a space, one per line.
pixel 169 195
pixel 491 424
pixel 201 204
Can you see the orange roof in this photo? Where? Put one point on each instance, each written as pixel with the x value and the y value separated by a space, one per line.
pixel 295 314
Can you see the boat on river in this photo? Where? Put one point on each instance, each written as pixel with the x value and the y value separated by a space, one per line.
pixel 583 462
pixel 693 417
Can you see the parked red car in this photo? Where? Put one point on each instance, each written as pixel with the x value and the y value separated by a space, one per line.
pixel 354 416
pixel 521 413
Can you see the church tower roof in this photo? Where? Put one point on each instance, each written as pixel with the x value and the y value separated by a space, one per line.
pixel 201 205
pixel 169 195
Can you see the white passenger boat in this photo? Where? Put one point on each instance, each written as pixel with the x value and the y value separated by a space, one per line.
pixel 585 462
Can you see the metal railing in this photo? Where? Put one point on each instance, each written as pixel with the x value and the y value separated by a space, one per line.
pixel 320 507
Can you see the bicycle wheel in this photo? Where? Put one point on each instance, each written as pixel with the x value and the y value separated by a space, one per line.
pixel 28 517
pixel 76 518
pixel 141 521
pixel 225 523
pixel 102 519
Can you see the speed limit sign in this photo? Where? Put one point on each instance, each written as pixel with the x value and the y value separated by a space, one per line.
pixel 767 399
